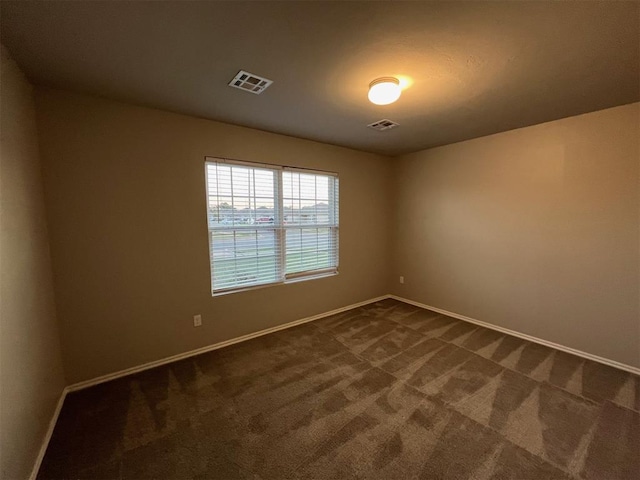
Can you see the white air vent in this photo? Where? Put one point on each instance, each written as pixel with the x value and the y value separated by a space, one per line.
pixel 382 125
pixel 250 83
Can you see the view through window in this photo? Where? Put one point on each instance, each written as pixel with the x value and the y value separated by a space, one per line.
pixel 268 224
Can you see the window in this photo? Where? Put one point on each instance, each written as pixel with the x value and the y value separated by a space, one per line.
pixel 269 224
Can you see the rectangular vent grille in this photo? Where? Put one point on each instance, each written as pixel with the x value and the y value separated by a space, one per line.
pixel 249 82
pixel 382 125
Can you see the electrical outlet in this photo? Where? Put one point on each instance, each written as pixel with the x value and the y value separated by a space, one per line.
pixel 197 320
pixel 401 279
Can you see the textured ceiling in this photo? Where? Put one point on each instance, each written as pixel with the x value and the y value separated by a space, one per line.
pixel 473 68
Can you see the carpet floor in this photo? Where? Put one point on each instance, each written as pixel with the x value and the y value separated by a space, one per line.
pixel 385 391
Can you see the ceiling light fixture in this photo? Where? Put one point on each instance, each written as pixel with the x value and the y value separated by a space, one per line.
pixel 384 90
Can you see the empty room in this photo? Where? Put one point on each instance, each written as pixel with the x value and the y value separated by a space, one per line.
pixel 320 240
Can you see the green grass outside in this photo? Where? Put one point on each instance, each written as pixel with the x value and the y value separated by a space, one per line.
pixel 239 269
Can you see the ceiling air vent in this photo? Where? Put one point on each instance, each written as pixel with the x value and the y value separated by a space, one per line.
pixel 382 125
pixel 250 83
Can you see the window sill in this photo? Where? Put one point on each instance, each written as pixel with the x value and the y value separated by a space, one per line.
pixel 275 284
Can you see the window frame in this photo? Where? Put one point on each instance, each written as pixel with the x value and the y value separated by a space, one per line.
pixel 279 226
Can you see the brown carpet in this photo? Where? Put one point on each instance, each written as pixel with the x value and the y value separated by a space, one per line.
pixel 385 391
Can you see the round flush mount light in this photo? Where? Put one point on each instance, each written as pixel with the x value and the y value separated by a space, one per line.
pixel 385 90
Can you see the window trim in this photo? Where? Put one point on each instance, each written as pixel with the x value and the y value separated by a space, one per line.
pixel 280 228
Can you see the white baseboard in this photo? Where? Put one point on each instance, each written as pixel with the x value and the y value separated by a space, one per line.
pixel 524 336
pixel 225 343
pixel 243 338
pixel 47 437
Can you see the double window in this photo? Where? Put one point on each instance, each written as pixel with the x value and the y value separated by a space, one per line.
pixel 269 224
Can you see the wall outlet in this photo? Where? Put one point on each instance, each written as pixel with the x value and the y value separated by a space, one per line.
pixel 401 279
pixel 197 320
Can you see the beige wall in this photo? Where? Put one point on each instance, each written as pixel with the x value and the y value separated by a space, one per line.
pixel 535 230
pixel 126 204
pixel 30 360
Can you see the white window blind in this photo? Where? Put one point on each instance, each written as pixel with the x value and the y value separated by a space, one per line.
pixel 268 224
